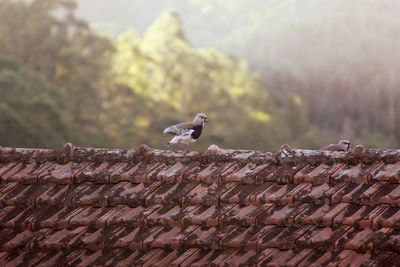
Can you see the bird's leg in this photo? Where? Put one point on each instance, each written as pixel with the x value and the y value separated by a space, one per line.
pixel 184 146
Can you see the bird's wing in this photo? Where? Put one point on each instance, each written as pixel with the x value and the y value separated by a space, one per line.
pixel 188 133
pixel 179 129
pixel 327 147
pixel 332 147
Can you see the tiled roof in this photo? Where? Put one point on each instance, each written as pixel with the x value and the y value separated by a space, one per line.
pixel 84 206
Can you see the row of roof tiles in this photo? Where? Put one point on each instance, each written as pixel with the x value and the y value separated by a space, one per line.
pixel 80 206
pixel 198 257
pixel 255 238
pixel 343 214
pixel 183 194
pixel 74 172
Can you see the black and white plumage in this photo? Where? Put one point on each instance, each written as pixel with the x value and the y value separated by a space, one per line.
pixel 186 132
pixel 343 145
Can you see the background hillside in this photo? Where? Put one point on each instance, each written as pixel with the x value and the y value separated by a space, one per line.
pixel 115 73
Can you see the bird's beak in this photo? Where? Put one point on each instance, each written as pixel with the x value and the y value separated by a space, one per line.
pixel 206 120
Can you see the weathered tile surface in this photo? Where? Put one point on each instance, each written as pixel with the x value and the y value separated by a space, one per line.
pixel 87 206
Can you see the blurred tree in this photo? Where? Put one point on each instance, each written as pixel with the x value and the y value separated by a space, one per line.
pixel 29 113
pixel 60 81
pixel 339 56
pixel 163 80
pixel 58 51
pixel 47 38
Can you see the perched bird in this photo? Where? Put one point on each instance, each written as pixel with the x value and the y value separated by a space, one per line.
pixel 186 132
pixel 343 145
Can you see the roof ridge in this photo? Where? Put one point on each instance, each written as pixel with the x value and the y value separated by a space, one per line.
pixel 286 155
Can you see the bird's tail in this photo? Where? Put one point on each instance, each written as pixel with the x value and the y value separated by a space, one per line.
pixel 168 143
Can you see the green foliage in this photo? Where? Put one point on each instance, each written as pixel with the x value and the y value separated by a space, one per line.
pixel 61 82
pixel 29 114
pixel 50 75
pixel 170 81
pixel 339 56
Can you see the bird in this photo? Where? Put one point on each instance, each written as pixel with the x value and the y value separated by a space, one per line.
pixel 186 132
pixel 343 145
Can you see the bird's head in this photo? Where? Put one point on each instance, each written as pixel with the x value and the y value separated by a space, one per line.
pixel 345 143
pixel 200 119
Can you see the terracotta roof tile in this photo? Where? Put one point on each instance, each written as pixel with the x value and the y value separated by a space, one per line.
pixel 165 215
pixel 380 236
pixel 390 243
pixel 300 258
pixel 321 194
pixel 98 172
pixel 316 174
pixel 52 258
pixel 211 173
pixel 208 237
pixel 393 198
pixel 356 259
pixel 5 167
pixel 346 173
pixel 168 193
pixel 54 220
pixel 176 172
pixel 279 215
pixel 276 257
pixel 160 258
pixel 103 217
pixel 130 194
pixel 137 238
pixel 252 194
pixel 240 258
pixel 285 238
pixel 238 237
pixel 132 258
pixel 201 237
pixel 152 176
pixel 169 237
pixel 220 257
pixel 85 258
pixel 19 173
pixel 392 174
pixel 29 218
pixel 53 195
pixel 248 174
pixel 244 216
pixel 207 216
pixel 360 173
pixel 193 257
pixel 386 194
pixel 135 174
pixel 378 173
pixel 9 191
pixel 365 197
pixel 281 174
pixel 389 217
pixel 206 194
pixel 272 194
pixel 88 194
pixel 85 206
pixel 61 173
pixel 349 215
pixel 27 197
pixel 318 237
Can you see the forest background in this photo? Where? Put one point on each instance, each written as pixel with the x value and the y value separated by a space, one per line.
pixel 102 73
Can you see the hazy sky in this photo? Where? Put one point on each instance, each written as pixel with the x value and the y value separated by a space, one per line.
pixel 118 16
